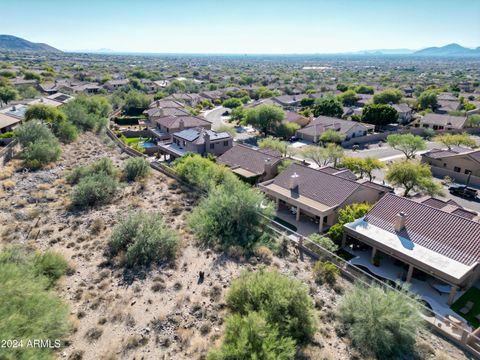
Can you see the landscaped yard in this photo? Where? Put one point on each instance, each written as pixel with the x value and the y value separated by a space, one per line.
pixel 473 315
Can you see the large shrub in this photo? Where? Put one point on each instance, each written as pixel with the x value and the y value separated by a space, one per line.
pixel 201 172
pixel 102 166
pixel 348 214
pixel 284 301
pixel 144 238
pixel 40 153
pixel 65 131
pixel 233 214
pixel 136 168
pixel 32 131
pixel 379 322
pixel 51 265
pixel 28 309
pixel 252 337
pixel 93 190
pixel 88 113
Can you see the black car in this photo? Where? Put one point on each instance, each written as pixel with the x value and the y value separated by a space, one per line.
pixel 463 191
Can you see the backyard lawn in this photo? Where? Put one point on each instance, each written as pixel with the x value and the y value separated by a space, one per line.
pixel 473 315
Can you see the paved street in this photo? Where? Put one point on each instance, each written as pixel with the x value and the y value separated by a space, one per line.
pixel 215 116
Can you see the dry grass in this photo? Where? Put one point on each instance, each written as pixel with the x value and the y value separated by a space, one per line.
pixel 8 184
pixel 6 172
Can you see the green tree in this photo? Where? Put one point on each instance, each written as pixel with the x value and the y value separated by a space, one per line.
pixel 8 94
pixel 342 87
pixel 388 96
pixel 45 113
pixel 143 238
pixel 307 102
pixel 30 75
pixel 348 98
pixel 364 89
pixel 473 121
pixel 428 100
pixel 362 166
pixel 135 102
pixel 233 214
pixel 238 114
pixel 386 326
pixel 348 214
pixel 32 131
pixel 264 117
pixel 323 156
pixel 379 115
pixel 413 176
pixel 252 337
pixel 286 129
pixel 136 168
pixel 332 136
pixel 328 106
pixel 450 140
pixel 409 144
pixel 274 144
pixel 232 103
pixel 323 242
pixel 65 131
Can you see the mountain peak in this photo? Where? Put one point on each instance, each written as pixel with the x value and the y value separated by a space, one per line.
pixel 14 43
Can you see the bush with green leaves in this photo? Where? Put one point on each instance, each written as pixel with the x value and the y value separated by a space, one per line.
pixel 322 241
pixel 143 238
pixel 29 310
pixel 136 168
pixel 253 337
pixel 348 214
pixel 32 131
pixel 380 322
pixel 233 214
pixel 201 172
pixel 88 113
pixel 51 265
pixel 93 190
pixel 40 153
pixel 284 301
pixel 325 272
pixel 102 166
pixel 65 131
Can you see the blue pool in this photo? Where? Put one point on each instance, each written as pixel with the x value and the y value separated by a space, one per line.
pixel 147 145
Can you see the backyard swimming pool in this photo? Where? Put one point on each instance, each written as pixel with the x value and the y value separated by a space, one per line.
pixel 146 144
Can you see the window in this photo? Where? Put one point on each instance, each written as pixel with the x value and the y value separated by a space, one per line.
pixel 468 172
pixel 225 143
pixel 444 164
pixel 456 169
pixel 212 146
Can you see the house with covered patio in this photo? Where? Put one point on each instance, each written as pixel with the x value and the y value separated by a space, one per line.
pixel 434 245
pixel 304 194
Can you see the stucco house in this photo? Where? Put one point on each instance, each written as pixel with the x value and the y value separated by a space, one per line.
pixel 319 125
pixel 442 122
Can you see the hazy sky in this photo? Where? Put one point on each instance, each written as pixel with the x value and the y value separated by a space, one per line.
pixel 243 26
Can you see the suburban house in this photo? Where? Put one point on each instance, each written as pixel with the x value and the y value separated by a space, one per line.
pixel 158 112
pixel 289 101
pixel 423 240
pixel 442 122
pixel 213 95
pixel 166 104
pixel 447 102
pixel 113 85
pixel 363 99
pixel 164 127
pixel 89 88
pixel 405 113
pixel 321 124
pixel 198 141
pixel 8 123
pixel 293 117
pixel 317 194
pixel 189 99
pixel 251 164
pixel 460 164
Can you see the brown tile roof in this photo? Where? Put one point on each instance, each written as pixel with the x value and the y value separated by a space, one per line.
pixel 444 120
pixel 323 123
pixel 318 185
pixel 249 158
pixel 188 121
pixel 445 233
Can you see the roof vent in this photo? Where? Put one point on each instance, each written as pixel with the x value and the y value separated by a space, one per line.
pixel 400 221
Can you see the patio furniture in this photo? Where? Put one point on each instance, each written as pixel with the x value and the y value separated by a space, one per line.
pixel 468 306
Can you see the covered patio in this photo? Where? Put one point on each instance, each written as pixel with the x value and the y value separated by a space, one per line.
pixel 304 226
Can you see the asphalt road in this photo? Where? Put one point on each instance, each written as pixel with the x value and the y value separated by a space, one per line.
pixel 215 116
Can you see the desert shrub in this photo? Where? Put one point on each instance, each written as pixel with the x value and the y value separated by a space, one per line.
pixel 94 189
pixel 51 265
pixel 136 168
pixel 232 214
pixel 102 166
pixel 325 272
pixel 348 214
pixel 28 309
pixel 252 337
pixel 201 171
pixel 144 238
pixel 40 153
pixel 322 241
pixel 380 322
pixel 32 131
pixel 284 301
pixel 87 113
pixel 65 131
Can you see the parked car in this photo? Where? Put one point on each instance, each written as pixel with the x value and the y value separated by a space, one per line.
pixel 463 191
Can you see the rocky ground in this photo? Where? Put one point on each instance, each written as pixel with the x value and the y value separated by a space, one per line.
pixel 164 313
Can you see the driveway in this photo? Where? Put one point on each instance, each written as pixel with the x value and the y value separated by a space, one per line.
pixel 215 116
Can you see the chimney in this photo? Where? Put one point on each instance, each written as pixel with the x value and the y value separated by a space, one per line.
pixel 158 103
pixel 181 124
pixel 14 108
pixel 268 166
pixel 206 137
pixel 293 182
pixel 400 221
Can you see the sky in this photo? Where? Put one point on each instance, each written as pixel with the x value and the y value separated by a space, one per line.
pixel 243 26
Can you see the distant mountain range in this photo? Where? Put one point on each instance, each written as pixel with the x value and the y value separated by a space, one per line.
pixel 9 42
pixel 448 50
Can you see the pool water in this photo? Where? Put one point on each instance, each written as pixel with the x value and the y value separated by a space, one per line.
pixel 147 145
